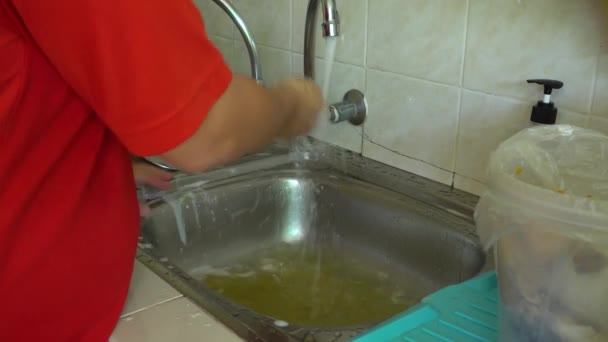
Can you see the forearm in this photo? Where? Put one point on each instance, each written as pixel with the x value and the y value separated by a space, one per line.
pixel 245 119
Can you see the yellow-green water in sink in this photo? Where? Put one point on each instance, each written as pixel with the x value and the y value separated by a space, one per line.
pixel 314 288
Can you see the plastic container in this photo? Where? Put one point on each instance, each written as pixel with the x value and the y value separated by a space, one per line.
pixel 546 215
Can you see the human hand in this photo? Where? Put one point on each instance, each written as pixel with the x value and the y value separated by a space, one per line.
pixel 307 102
pixel 146 174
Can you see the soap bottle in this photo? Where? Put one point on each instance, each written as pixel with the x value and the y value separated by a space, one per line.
pixel 545 113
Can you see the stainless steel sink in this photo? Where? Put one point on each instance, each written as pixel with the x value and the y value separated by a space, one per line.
pixel 417 234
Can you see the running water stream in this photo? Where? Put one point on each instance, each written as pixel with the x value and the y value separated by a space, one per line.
pixel 330 55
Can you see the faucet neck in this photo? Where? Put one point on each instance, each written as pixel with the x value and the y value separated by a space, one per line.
pixel 254 56
pixel 309 39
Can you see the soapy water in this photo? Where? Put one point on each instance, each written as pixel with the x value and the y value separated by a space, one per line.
pixel 301 150
pixel 309 286
pixel 179 217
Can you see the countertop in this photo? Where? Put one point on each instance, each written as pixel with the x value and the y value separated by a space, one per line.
pixel 156 312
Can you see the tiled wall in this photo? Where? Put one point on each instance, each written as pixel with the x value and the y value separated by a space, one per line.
pixel 445 79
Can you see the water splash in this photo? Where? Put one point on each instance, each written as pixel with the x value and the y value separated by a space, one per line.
pixel 193 199
pixel 300 150
pixel 176 205
pixel 306 211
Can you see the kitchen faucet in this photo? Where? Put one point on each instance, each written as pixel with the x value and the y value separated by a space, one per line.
pixel 353 106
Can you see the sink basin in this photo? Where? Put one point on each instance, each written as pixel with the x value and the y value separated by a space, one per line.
pixel 306 250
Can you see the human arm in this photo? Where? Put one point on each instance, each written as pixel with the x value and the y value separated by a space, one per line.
pixel 246 118
pixel 156 81
pixel 146 174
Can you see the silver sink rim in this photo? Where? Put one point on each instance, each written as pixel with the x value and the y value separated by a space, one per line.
pixel 449 203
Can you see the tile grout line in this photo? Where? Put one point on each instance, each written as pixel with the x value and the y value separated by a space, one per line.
pixel 408 157
pixel 461 92
pixel 465 42
pixel 365 49
pixel 123 316
pixel 366 40
pixel 365 89
pixel 457 136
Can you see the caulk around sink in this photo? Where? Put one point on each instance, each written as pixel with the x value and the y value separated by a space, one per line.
pixel 545 112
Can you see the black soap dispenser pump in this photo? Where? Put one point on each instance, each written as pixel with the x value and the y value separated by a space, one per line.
pixel 544 112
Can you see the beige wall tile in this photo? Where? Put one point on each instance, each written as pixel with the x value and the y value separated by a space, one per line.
pixel 600 97
pixel 268 20
pixel 216 20
pixel 353 25
pixel 416 118
pixel 568 117
pixel 511 41
pixel 276 64
pixel 485 122
pixel 419 38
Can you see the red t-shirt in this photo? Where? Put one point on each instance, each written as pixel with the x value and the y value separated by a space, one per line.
pixel 82 84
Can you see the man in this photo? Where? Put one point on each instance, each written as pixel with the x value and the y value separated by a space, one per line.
pixel 84 84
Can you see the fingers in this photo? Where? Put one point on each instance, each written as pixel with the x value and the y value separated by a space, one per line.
pixel 146 174
pixel 144 210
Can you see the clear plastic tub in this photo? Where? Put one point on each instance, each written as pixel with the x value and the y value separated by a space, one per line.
pixel 546 215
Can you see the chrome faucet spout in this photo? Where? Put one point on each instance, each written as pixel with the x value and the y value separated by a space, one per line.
pixel 331 19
